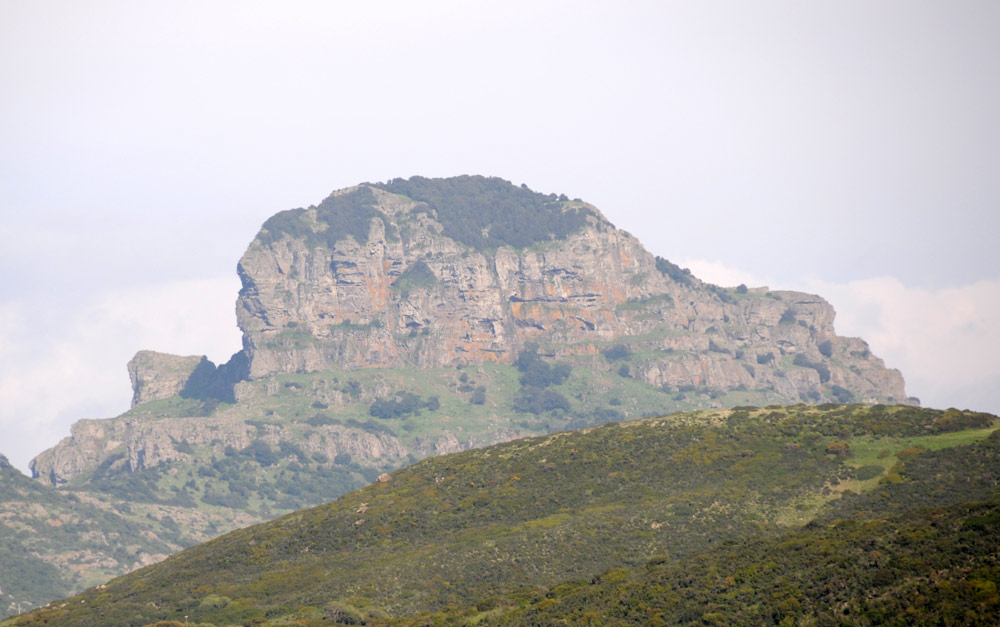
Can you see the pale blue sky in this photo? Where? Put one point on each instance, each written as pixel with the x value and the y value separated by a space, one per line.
pixel 849 148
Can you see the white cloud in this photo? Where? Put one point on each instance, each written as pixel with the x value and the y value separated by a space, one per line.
pixel 945 341
pixel 63 363
pixel 720 274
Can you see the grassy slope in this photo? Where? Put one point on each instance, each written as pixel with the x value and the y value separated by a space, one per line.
pixel 921 548
pixel 217 491
pixel 453 531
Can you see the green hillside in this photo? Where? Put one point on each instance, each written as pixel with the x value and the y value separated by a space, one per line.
pixel 266 478
pixel 929 567
pixel 52 544
pixel 490 533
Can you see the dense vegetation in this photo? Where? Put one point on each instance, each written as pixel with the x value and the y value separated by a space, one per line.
pixel 338 216
pixel 690 518
pixel 932 566
pixel 536 377
pixel 486 213
pixel 675 272
pixel 480 212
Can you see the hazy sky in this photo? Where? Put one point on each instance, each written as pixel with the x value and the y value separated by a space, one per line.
pixel 850 149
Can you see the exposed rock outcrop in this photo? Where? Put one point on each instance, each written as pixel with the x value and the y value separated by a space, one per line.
pixel 159 375
pixel 396 290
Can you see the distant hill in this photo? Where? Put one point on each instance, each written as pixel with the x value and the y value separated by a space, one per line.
pixel 412 318
pixel 53 544
pixel 713 516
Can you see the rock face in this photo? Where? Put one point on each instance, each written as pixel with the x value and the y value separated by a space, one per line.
pixel 136 444
pixel 400 285
pixel 159 375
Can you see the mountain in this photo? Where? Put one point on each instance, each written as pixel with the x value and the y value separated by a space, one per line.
pixel 470 270
pixel 698 517
pixel 400 320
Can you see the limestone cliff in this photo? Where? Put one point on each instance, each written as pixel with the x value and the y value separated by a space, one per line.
pixel 400 285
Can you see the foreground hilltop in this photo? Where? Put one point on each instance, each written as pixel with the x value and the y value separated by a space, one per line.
pixel 698 518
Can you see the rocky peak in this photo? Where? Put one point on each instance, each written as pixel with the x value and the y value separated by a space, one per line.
pixel 160 375
pixel 447 272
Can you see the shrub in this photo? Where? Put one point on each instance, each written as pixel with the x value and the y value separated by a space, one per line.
pixel 290 449
pixel 842 395
pixel 618 351
pixel 479 396
pixel 765 358
pixel 787 318
pixel 261 452
pixel 868 472
pixel 345 215
pixel 840 449
pixel 537 400
pixel 343 614
pixel 537 373
pixel 322 419
pixel 909 453
pixel 417 276
pixel 826 348
pixel 352 389
pixel 675 272
pixel 722 293
pixel 402 404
